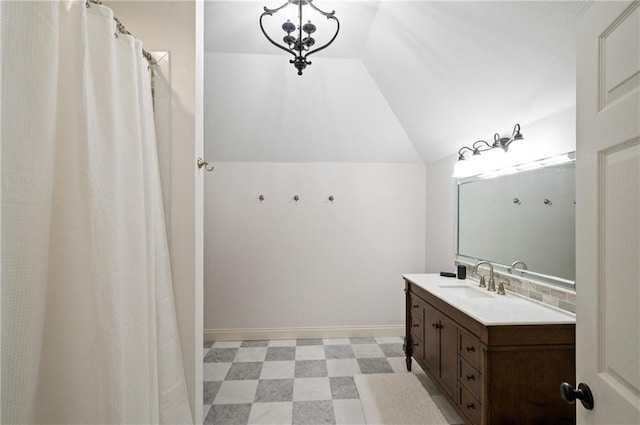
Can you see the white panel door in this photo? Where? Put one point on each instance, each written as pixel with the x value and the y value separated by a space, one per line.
pixel 608 212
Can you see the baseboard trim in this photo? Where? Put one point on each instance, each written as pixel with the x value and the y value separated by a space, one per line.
pixel 246 334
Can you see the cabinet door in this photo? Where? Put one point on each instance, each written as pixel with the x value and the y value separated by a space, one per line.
pixel 432 339
pixel 449 356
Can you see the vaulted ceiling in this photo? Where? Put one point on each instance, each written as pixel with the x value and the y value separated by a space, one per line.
pixel 405 81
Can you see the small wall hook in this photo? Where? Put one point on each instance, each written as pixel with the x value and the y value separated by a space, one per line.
pixel 331 198
pixel 547 202
pixel 517 201
pixel 261 198
pixel 296 198
pixel 205 164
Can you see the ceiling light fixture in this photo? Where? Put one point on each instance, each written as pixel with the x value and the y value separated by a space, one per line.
pixel 490 160
pixel 299 47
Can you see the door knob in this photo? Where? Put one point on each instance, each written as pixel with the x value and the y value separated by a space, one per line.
pixel 583 393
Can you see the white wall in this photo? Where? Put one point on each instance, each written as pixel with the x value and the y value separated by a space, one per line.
pixel 550 136
pixel 281 264
pixel 171 26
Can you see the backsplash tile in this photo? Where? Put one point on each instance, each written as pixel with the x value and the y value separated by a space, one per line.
pixel 539 291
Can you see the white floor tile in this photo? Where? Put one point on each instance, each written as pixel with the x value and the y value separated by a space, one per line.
pixel 215 371
pixel 311 352
pixel 227 344
pixel 399 364
pixel 204 352
pixel 336 341
pixel 236 392
pixel 205 410
pixel 306 389
pixel 348 412
pixel 390 340
pixel 282 343
pixel 251 354
pixel 271 413
pixel 278 370
pixel 343 367
pixel 367 351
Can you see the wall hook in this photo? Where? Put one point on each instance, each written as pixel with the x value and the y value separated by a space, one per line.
pixel 517 201
pixel 205 164
pixel 296 198
pixel 261 198
pixel 547 202
pixel 331 198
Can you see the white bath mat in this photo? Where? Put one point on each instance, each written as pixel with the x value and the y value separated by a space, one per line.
pixel 395 399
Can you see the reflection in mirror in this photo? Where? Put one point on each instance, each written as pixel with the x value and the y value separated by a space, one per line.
pixel 528 216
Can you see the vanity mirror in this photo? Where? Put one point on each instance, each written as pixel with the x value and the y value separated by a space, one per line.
pixel 525 213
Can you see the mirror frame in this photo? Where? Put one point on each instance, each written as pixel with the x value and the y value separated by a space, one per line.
pixel 499 267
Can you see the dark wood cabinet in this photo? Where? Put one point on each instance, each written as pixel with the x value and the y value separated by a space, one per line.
pixel 493 375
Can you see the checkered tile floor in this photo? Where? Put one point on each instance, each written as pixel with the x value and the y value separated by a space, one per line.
pixel 305 381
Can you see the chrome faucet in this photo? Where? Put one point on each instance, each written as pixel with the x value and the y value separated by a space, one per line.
pixel 516 263
pixel 492 282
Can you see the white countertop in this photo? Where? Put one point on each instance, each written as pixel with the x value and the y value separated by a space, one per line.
pixel 487 307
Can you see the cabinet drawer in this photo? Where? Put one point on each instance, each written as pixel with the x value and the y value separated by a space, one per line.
pixel 470 349
pixel 470 406
pixel 416 304
pixel 417 345
pixel 417 324
pixel 470 378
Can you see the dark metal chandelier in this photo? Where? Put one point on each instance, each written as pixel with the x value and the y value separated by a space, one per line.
pixel 300 46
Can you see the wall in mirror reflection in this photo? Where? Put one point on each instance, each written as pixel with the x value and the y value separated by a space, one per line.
pixel 529 216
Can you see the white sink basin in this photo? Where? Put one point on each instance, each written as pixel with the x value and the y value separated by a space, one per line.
pixel 465 291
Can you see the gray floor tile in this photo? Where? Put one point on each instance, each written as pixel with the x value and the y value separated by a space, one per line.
pixel 374 365
pixel 228 414
pixel 254 343
pixel 280 353
pixel 274 390
pixel 343 387
pixel 310 341
pixel 245 370
pixel 363 340
pixel 313 412
pixel 311 369
pixel 209 391
pixel 339 352
pixel 392 350
pixel 220 355
pixel 208 344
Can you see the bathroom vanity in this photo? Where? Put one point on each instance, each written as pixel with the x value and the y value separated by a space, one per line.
pixel 500 359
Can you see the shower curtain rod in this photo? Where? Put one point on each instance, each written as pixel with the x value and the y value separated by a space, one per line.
pixel 120 29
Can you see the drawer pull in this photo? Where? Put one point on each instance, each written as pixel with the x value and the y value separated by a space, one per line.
pixel 417 325
pixel 416 344
pixel 471 406
pixel 471 349
pixel 416 305
pixel 471 377
pixel 436 325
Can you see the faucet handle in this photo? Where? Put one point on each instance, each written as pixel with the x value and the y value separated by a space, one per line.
pixel 482 282
pixel 501 287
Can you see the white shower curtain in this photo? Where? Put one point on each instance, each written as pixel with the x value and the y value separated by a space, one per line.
pixel 89 331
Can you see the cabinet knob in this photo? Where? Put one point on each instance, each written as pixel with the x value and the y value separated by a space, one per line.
pixel 436 325
pixel 471 349
pixel 471 406
pixel 471 377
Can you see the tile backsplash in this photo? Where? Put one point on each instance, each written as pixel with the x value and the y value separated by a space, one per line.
pixel 564 299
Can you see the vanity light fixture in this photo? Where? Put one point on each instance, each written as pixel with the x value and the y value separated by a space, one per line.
pixel 298 40
pixel 493 153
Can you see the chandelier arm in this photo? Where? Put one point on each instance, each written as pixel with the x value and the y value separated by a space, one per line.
pixel 270 12
pixel 334 35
